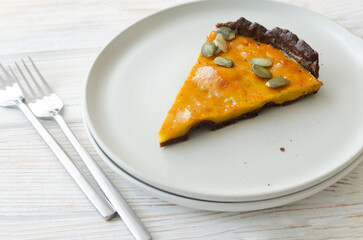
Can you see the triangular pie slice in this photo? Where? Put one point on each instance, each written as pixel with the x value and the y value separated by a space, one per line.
pixel 217 96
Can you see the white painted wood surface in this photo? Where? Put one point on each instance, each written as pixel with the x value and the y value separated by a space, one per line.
pixel 38 200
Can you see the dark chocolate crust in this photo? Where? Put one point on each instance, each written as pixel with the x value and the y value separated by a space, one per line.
pixel 214 126
pixel 279 38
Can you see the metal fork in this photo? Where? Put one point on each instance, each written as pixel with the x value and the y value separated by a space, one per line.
pixel 45 103
pixel 11 95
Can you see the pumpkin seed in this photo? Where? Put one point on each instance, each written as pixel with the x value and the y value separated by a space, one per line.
pixel 277 82
pixel 218 51
pixel 224 62
pixel 261 71
pixel 220 43
pixel 208 49
pixel 228 34
pixel 263 62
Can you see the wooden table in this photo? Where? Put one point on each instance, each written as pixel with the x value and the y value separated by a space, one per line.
pixel 38 199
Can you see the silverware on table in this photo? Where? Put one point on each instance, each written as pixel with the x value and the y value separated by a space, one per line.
pixel 44 103
pixel 12 96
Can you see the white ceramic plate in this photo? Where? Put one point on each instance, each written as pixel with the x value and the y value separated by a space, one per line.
pixel 136 77
pixel 224 206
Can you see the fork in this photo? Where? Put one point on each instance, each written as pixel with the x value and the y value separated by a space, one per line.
pixel 44 103
pixel 11 95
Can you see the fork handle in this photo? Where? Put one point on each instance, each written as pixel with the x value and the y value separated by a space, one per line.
pixel 129 217
pixel 95 196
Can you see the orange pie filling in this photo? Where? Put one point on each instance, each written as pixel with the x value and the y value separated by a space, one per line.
pixel 215 93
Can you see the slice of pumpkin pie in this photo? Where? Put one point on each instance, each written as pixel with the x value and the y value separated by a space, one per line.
pixel 242 69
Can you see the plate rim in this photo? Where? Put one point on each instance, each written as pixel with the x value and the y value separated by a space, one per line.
pixel 86 116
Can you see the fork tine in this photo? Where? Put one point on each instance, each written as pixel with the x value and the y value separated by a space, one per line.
pixel 8 76
pixel 34 80
pixel 33 94
pixel 26 96
pixel 49 89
